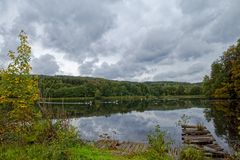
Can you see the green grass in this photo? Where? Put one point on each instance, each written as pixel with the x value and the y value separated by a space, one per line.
pixel 54 152
pixel 90 153
pixel 190 153
pixel 58 152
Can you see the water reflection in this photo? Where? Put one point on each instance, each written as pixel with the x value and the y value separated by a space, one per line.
pixel 224 115
pixel 135 126
pixel 133 120
pixel 99 108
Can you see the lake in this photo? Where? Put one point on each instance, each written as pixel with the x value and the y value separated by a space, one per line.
pixel 134 120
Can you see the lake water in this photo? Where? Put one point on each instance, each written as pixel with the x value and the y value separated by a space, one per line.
pixel 134 120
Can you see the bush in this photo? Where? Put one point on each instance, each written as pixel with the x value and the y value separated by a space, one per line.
pixel 158 147
pixel 190 153
pixel 66 134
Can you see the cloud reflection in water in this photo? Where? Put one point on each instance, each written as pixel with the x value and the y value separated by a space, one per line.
pixel 135 126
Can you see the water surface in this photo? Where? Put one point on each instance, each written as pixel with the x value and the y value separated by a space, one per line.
pixel 134 120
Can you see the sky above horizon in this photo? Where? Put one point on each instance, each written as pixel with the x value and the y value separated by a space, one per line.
pixel 134 40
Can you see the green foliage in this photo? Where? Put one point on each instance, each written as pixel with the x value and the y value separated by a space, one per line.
pixel 17 88
pixel 224 81
pixel 190 153
pixel 97 94
pixel 158 146
pixel 19 92
pixel 90 153
pixel 66 134
pixel 22 123
pixel 68 86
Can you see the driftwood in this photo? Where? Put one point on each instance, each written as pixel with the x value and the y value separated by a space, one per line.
pixel 195 132
pixel 201 138
pixel 122 148
pixel 191 126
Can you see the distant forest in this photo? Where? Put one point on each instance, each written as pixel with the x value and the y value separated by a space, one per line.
pixel 70 86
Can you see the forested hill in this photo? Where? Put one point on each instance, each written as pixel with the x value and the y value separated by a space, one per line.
pixel 70 86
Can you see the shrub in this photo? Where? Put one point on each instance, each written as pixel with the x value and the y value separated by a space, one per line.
pixel 190 153
pixel 158 147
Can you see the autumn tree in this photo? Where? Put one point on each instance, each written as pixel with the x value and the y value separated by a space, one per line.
pixel 18 89
pixel 224 81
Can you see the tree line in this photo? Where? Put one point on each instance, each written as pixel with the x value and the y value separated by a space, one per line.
pixel 70 86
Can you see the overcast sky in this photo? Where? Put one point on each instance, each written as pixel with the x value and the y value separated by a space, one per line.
pixel 136 40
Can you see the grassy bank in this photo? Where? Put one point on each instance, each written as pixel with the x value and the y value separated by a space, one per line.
pixel 54 152
pixel 67 145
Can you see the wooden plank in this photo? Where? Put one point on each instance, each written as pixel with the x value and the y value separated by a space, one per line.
pixel 145 147
pixel 203 140
pixel 114 144
pixel 108 144
pixel 122 146
pixel 191 126
pixel 128 147
pixel 197 136
pixel 131 149
pixel 195 132
pixel 140 147
pixel 99 143
pixel 215 146
pixel 104 145
pixel 198 139
pixel 213 151
pixel 135 148
pixel 215 155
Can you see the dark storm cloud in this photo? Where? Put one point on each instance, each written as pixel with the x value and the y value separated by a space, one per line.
pixel 127 39
pixel 45 64
pixel 69 26
pixel 157 45
pixel 227 26
pixel 121 70
pixel 217 19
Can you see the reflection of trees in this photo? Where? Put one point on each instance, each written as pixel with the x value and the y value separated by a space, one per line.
pixel 100 108
pixel 225 117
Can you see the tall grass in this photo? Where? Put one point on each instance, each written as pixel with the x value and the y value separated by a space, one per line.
pixel 159 148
